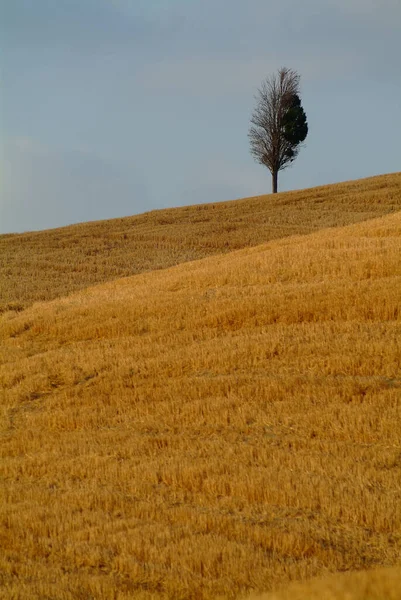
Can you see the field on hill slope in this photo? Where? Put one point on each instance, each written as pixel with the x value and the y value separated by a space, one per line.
pixel 377 584
pixel 226 425
pixel 49 264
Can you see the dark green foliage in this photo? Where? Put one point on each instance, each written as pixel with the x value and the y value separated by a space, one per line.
pixel 295 126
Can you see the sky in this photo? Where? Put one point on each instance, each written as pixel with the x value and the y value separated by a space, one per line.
pixel 110 108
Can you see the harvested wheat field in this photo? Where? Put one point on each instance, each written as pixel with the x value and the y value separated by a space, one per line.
pixel 212 430
pixel 45 265
pixel 378 584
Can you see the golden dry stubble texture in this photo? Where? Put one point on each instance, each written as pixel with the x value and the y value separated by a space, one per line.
pixel 377 584
pixel 224 426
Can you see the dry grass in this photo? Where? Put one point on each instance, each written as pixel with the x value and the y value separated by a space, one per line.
pixel 46 265
pixel 222 426
pixel 379 584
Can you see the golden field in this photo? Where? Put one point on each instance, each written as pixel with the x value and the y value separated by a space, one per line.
pixel 44 265
pixel 215 429
pixel 377 584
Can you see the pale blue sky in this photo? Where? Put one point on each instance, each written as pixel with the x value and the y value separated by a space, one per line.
pixel 116 107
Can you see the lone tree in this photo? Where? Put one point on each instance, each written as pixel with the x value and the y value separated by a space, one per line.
pixel 278 123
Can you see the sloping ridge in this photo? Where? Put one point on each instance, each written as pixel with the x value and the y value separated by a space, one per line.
pixel 49 264
pixel 223 425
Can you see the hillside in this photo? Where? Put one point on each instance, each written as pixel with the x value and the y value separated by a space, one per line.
pixel 49 264
pixel 222 426
pixel 378 584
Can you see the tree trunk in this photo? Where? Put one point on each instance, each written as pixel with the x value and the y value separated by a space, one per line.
pixel 274 181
